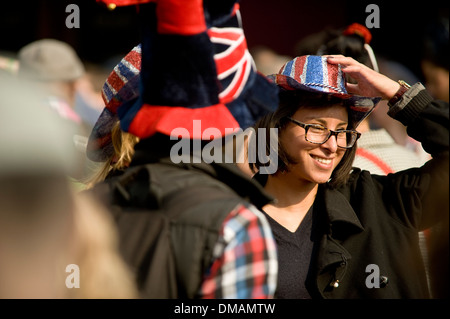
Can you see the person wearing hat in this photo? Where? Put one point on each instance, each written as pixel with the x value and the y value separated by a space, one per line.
pixel 379 148
pixel 197 82
pixel 342 232
pixel 54 66
pixel 108 144
pixel 55 69
pixel 46 227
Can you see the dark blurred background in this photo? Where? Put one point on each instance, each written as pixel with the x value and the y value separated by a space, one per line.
pixel 106 35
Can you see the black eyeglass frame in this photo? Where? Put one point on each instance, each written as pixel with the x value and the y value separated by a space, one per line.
pixel 330 132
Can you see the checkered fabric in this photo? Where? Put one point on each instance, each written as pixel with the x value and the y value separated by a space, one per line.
pixel 247 266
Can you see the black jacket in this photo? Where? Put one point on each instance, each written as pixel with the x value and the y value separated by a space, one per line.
pixel 365 233
pixel 169 217
pixel 372 223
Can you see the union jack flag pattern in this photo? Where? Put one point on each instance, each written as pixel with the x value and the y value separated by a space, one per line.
pixel 194 69
pixel 123 83
pixel 187 69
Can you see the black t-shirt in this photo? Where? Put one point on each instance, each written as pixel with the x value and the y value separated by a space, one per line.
pixel 295 251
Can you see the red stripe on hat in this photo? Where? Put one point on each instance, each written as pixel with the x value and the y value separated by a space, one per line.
pixel 298 68
pixel 229 60
pixel 134 58
pixel 180 17
pixel 168 120
pixel 333 74
pixel 113 105
pixel 281 80
pixel 115 81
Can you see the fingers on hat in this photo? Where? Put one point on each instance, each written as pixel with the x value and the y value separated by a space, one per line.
pixel 339 59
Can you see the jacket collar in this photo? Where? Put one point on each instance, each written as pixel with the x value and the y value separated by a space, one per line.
pixel 339 211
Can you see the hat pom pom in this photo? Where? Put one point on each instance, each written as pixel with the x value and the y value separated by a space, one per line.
pixel 358 29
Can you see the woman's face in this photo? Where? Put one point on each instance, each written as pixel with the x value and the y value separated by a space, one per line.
pixel 315 163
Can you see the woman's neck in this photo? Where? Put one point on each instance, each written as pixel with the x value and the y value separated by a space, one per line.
pixel 294 198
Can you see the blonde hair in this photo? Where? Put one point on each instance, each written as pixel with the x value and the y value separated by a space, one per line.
pixel 123 144
pixel 95 249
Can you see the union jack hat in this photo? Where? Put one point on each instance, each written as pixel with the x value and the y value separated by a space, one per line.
pixel 187 70
pixel 122 85
pixel 312 73
pixel 195 67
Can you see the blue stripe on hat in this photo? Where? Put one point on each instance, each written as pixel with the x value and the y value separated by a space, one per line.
pixel 314 72
pixel 125 71
pixel 108 93
pixel 288 68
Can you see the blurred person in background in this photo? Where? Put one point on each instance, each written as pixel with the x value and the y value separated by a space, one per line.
pixel 108 145
pixel 55 69
pixel 44 225
pixel 435 67
pixel 8 63
pixel 268 61
pixel 435 58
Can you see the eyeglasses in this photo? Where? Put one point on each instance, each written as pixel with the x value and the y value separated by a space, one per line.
pixel 318 134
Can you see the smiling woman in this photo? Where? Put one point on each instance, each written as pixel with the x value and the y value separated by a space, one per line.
pixel 311 147
pixel 331 220
pixel 315 91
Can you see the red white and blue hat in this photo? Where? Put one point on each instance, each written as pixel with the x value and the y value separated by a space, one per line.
pixel 193 64
pixel 122 85
pixel 312 73
pixel 195 67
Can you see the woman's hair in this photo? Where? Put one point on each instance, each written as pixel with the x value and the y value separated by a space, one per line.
pixel 123 143
pixel 290 102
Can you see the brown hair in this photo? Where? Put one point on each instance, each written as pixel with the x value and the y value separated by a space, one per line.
pixel 290 102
